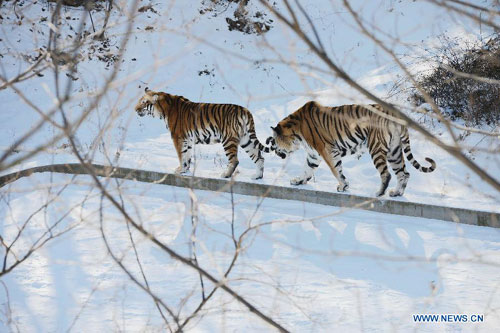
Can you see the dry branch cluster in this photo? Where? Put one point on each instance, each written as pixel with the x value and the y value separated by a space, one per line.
pixel 245 18
pixel 466 82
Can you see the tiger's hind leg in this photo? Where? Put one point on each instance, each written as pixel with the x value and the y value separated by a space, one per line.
pixel 250 147
pixel 312 162
pixel 378 153
pixel 396 160
pixel 231 150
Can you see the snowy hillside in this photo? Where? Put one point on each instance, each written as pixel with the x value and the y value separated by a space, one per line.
pixel 354 270
pixel 309 267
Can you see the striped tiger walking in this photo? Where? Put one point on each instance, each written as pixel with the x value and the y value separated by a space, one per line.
pixel 193 123
pixel 334 132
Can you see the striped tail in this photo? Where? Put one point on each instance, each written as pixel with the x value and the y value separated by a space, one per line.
pixel 271 141
pixel 405 139
pixel 253 137
pixel 263 148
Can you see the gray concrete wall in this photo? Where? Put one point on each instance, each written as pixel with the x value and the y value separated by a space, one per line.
pixel 383 205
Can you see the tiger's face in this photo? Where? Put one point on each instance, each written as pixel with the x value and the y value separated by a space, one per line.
pixel 146 104
pixel 285 139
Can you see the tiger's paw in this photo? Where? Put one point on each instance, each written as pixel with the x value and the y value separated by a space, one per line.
pixel 228 173
pixel 395 193
pixel 181 171
pixel 299 181
pixel 258 176
pixel 342 187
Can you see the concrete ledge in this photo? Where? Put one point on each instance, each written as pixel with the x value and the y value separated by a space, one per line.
pixel 387 206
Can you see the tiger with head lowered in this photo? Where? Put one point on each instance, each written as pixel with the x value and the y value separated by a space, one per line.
pixel 334 132
pixel 191 123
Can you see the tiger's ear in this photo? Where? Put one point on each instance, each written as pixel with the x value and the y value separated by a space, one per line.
pixel 277 130
pixel 155 98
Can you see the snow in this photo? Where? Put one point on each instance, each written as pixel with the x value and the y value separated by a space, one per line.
pixel 348 269
pixel 313 267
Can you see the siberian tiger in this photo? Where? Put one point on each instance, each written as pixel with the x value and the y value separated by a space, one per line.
pixel 191 123
pixel 334 132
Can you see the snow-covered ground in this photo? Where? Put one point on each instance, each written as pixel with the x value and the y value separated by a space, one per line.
pixel 314 268
pixel 348 269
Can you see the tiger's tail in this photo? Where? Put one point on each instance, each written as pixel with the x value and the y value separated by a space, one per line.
pixel 253 137
pixel 271 141
pixel 405 139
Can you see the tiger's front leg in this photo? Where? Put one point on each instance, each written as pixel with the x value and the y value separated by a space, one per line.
pixel 312 162
pixel 333 159
pixel 231 150
pixel 184 148
pixel 343 184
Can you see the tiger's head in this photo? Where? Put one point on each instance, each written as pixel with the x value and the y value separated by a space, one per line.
pixel 285 139
pixel 148 104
